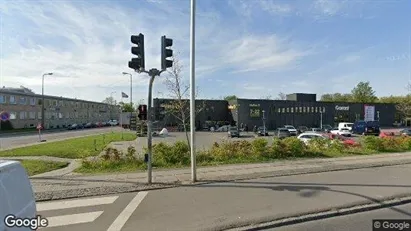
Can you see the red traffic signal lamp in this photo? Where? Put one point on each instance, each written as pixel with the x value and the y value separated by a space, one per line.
pixel 142 111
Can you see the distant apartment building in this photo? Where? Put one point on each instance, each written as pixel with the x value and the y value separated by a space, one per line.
pixel 24 108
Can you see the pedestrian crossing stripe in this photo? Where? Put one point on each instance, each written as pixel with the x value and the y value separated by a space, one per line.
pixel 78 218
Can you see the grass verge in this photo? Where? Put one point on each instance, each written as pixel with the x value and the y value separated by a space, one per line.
pixel 71 148
pixel 34 167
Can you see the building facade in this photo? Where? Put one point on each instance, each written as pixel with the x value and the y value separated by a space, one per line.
pixel 208 111
pixel 24 110
pixel 304 110
pixel 298 110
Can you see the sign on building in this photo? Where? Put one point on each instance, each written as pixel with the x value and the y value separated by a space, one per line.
pixel 342 108
pixel 369 113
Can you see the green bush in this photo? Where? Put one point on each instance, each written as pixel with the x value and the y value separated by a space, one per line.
pixel 294 147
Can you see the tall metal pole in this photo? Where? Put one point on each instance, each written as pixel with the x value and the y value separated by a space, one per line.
pixel 152 73
pixel 111 103
pixel 264 121
pixel 192 92
pixel 321 119
pixel 42 99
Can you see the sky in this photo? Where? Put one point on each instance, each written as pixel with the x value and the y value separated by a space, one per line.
pixel 248 48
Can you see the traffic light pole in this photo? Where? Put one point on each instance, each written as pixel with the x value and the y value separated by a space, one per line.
pixel 152 73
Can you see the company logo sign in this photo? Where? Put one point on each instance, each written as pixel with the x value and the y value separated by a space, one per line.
pixel 342 108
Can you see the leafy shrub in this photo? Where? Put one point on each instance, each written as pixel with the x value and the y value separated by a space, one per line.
pixel 294 147
pixel 175 154
pixel 373 143
pixel 259 147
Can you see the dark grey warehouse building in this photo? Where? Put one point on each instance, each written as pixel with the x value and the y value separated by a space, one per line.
pixel 298 109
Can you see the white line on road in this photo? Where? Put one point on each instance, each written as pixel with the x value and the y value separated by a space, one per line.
pixel 72 219
pixel 127 212
pixel 55 205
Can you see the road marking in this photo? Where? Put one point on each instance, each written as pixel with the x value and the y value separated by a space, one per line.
pixel 72 219
pixel 55 205
pixel 121 220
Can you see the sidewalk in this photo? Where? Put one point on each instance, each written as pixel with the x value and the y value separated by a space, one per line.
pixel 59 187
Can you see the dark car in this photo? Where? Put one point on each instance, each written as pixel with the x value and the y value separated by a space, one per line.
pixel 302 129
pixel 88 125
pixel 74 127
pixel 366 128
pixel 327 128
pixel 261 131
pixel 283 133
pixel 233 132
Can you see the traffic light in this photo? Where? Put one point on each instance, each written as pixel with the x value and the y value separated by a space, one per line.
pixel 166 52
pixel 142 112
pixel 138 50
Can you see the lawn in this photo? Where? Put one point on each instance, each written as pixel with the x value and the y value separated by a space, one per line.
pixel 71 148
pixel 34 167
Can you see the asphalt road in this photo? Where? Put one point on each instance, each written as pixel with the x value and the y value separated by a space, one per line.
pixel 217 206
pixel 352 222
pixel 15 141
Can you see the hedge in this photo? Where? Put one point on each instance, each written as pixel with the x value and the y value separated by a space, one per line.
pixel 243 151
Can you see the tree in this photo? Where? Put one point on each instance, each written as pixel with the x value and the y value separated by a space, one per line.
pixel 127 107
pixel 110 100
pixel 179 106
pixel 336 97
pixel 391 99
pixel 363 93
pixel 281 96
pixel 230 97
pixel 404 106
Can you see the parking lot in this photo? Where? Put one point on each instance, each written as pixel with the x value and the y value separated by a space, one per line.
pixel 204 140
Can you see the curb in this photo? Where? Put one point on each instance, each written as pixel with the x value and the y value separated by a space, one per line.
pixel 127 188
pixel 327 213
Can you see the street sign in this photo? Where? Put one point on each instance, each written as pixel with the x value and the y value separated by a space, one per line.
pixel 4 116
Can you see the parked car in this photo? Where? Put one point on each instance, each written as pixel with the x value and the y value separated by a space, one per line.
pixel 291 129
pixel 327 127
pixel 316 130
pixel 307 136
pixel 283 133
pixel 233 132
pixel 342 132
pixel 88 125
pixel 302 129
pixel 261 131
pixel 366 127
pixel 113 122
pixel 224 128
pixel 345 125
pixel 405 132
pixel 346 141
pixel 73 127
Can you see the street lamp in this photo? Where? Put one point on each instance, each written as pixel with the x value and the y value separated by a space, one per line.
pixel 131 87
pixel 42 98
pixel 111 104
pixel 264 121
pixel 321 118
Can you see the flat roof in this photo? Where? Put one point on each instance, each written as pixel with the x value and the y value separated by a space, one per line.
pixel 12 92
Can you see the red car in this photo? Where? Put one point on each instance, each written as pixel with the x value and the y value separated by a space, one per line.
pixel 346 141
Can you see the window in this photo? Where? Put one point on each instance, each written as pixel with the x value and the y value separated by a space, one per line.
pixel 12 99
pixel 279 110
pixel 13 116
pixel 60 115
pixel 32 115
pixel 23 115
pixel 292 110
pixel 288 110
pixel 55 103
pixel 60 103
pixel 316 109
pixel 39 115
pixel 323 109
pixel 301 109
pixel 312 109
pixel 283 110
pixel 23 100
pixel 32 101
pixel 2 99
pixel 304 109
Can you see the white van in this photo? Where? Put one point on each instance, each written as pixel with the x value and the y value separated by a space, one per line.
pixel 16 193
pixel 345 125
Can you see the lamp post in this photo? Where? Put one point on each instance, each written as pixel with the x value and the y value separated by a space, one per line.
pixel 321 118
pixel 111 104
pixel 264 121
pixel 42 98
pixel 192 92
